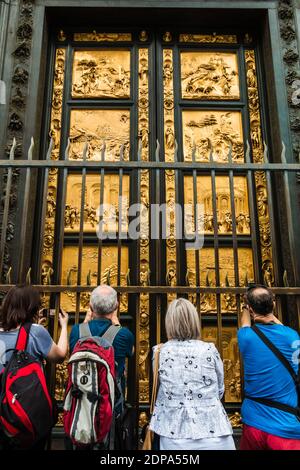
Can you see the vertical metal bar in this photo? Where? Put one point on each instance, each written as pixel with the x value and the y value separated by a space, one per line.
pixel 120 207
pixel 100 232
pixel 60 225
pixel 120 214
pixel 137 296
pixel 272 219
pixel 81 228
pixel 252 213
pixel 196 224
pixel 157 201
pixel 216 248
pixel 138 201
pixel 59 230
pixel 290 225
pixel 25 215
pixel 234 232
pixel 6 206
pixel 44 210
pixel 158 254
pixel 178 217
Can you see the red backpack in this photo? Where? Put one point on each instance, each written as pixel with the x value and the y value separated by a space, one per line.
pixel 27 412
pixel 90 392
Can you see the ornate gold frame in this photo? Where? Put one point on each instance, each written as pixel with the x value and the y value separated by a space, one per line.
pixel 260 177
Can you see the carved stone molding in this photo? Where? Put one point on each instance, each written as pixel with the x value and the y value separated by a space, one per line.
pixel 287 21
pixel 17 105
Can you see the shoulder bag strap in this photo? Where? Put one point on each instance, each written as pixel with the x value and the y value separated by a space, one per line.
pixel 111 333
pixel 287 365
pixel 277 405
pixel 277 353
pixel 84 330
pixel 23 337
pixel 155 378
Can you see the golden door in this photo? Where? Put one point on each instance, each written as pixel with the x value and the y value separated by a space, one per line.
pixel 168 97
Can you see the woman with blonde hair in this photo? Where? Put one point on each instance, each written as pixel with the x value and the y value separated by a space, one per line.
pixel 188 413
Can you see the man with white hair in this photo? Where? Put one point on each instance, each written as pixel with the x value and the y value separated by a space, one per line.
pixel 101 315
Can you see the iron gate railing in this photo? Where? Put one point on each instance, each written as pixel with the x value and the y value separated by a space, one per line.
pixel 34 176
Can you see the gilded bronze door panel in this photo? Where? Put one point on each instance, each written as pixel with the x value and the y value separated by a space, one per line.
pixel 190 97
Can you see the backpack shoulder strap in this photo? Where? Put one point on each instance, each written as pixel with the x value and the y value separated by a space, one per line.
pixel 84 330
pixel 111 333
pixel 23 337
pixel 277 353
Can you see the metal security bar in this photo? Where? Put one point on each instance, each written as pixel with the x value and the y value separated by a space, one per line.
pixel 31 173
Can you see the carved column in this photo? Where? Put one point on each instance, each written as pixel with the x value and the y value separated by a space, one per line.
pixel 144 307
pixel 169 147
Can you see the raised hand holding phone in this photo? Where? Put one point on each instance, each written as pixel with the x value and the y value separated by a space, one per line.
pixel 63 318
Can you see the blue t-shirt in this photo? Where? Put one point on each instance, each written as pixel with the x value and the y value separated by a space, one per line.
pixel 265 376
pixel 123 342
pixel 39 343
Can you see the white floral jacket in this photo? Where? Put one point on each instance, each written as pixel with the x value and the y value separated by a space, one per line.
pixel 191 384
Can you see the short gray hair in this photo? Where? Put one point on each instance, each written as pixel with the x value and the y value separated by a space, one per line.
pixel 182 320
pixel 104 300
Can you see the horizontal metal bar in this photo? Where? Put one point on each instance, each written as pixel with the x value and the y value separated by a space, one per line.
pixel 96 165
pixel 158 289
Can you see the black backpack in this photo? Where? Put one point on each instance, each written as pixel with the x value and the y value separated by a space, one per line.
pixel 27 412
pixel 126 429
pixel 267 401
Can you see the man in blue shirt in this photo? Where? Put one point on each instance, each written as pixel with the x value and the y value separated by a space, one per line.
pixel 265 376
pixel 102 314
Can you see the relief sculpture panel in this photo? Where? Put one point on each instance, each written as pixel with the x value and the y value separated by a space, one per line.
pixel 208 38
pixel 207 272
pixel 95 36
pixel 223 201
pixel 101 74
pixel 89 272
pixel 210 76
pixel 213 132
pixel 111 206
pixel 102 129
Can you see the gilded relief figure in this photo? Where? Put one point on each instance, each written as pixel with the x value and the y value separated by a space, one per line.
pixel 212 76
pixel 143 360
pixel 46 273
pixel 169 137
pixel 72 216
pixel 213 134
pixel 262 201
pixel 51 202
pixel 101 74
